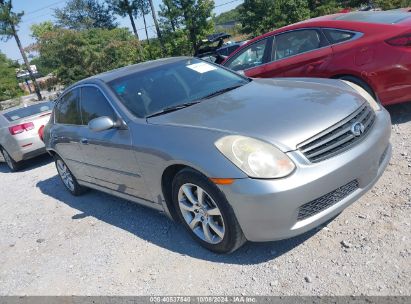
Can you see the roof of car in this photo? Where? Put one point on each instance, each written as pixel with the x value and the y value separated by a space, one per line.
pixel 378 17
pixel 382 17
pixel 130 69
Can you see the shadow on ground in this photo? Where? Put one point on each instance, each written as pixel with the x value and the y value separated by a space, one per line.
pixel 156 228
pixel 400 113
pixel 27 165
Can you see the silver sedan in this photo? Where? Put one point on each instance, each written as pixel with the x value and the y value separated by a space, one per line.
pixel 20 132
pixel 231 158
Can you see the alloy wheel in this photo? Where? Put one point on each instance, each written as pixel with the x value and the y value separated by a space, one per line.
pixel 201 213
pixel 65 175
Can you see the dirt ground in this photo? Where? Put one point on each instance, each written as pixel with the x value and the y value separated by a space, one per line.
pixel 52 243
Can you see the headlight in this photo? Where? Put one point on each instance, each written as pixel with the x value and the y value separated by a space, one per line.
pixel 254 157
pixel 372 102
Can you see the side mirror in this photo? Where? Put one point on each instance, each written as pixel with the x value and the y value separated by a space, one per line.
pixel 101 124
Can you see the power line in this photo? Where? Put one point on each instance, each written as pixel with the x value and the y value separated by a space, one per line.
pixel 34 18
pixel 42 8
pixel 222 4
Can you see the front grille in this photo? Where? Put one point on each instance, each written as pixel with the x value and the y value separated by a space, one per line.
pixel 339 137
pixel 327 200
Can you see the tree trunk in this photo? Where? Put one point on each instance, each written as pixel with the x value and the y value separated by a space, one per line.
pixel 147 39
pixel 130 14
pixel 153 12
pixel 140 47
pixel 26 62
pixel 145 27
pixel 173 27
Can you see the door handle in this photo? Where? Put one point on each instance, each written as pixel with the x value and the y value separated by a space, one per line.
pixel 84 141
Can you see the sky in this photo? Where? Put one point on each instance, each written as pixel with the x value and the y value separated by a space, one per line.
pixel 36 11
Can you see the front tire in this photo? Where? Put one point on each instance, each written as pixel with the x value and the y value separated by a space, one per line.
pixel 68 179
pixel 11 163
pixel 205 212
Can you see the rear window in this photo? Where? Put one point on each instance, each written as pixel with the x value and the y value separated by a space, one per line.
pixel 337 36
pixel 29 111
pixel 387 17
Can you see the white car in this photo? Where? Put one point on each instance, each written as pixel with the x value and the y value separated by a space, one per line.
pixel 21 132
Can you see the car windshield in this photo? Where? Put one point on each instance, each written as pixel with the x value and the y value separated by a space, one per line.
pixel 29 111
pixel 151 91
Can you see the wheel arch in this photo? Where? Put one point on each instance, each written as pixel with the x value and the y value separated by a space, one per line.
pixel 166 187
pixel 342 75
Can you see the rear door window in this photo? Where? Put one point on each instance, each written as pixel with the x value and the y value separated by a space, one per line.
pixel 297 42
pixel 337 36
pixel 94 104
pixel 67 109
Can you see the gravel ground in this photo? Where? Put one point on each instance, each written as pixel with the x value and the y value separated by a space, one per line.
pixel 52 243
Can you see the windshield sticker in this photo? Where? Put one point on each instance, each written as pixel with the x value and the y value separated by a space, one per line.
pixel 202 67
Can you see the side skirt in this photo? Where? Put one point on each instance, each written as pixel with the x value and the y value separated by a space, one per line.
pixel 133 199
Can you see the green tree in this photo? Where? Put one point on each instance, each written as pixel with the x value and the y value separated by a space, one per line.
pixel 143 9
pixel 170 15
pixel 383 4
pixel 74 55
pixel 40 29
pixel 391 4
pixel 260 16
pixel 125 8
pixel 324 7
pixel 9 22
pixel 192 17
pixel 231 15
pixel 84 14
pixel 9 87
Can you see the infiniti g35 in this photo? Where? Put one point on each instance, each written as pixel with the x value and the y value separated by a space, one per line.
pixel 231 158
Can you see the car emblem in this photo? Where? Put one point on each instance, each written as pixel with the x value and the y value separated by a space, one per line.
pixel 357 129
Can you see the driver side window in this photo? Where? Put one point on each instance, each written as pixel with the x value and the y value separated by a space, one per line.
pixel 94 104
pixel 249 57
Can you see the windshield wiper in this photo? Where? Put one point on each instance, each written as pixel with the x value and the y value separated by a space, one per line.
pixel 173 108
pixel 219 92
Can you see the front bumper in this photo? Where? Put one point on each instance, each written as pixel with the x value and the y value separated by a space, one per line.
pixel 268 210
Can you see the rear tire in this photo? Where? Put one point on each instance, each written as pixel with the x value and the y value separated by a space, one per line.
pixel 11 163
pixel 68 179
pixel 213 222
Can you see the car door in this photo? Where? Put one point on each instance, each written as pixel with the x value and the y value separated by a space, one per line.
pixel 300 53
pixel 65 133
pixel 252 59
pixel 108 155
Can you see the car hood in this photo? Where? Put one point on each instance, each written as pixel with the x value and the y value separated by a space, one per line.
pixel 284 112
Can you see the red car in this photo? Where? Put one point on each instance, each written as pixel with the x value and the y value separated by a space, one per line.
pixel 371 49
